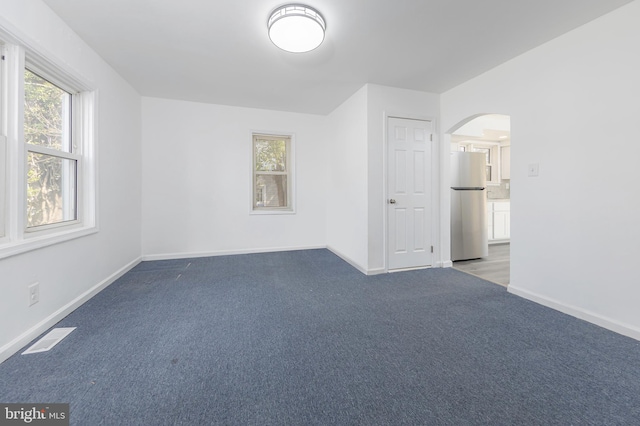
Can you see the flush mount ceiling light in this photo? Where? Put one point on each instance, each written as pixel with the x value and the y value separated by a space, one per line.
pixel 296 28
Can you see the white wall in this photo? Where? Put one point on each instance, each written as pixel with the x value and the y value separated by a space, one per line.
pixel 574 110
pixel 197 180
pixel 356 210
pixel 69 272
pixel 383 101
pixel 347 209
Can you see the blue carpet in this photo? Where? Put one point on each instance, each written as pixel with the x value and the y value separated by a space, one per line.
pixel 301 338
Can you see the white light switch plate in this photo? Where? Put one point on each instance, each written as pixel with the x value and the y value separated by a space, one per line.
pixel 34 294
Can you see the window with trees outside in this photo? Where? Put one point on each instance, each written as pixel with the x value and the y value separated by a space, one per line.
pixel 52 162
pixel 272 173
pixel 47 183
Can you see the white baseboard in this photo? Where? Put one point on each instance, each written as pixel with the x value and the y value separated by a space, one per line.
pixel 446 264
pixel 172 256
pixel 583 314
pixel 19 342
pixel 378 271
pixel 353 262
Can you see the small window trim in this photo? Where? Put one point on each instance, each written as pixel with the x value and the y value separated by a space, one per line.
pixel 291 174
pixel 20 53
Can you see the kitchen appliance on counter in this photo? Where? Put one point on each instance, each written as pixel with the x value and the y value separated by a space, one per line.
pixel 469 239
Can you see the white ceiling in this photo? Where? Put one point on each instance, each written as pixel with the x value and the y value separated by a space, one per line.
pixel 218 51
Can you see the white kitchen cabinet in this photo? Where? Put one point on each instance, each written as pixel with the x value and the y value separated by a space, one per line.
pixel 499 220
pixel 500 225
pixel 490 220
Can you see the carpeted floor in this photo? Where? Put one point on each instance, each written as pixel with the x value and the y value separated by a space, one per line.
pixel 301 338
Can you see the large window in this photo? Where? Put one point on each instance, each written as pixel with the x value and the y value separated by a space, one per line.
pixel 272 173
pixel 47 166
pixel 52 162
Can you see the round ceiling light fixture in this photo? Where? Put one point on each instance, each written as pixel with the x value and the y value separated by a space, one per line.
pixel 296 28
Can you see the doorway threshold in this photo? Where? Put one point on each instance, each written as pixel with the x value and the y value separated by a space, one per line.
pixel 494 268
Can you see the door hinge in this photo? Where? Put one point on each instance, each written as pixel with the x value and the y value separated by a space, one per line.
pixel 431 249
pixel 431 137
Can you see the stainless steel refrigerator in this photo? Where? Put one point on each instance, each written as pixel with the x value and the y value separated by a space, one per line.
pixel 469 238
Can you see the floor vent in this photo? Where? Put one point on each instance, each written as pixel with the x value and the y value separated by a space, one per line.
pixel 49 340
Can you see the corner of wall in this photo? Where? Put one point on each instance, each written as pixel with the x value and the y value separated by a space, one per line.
pixel 10 348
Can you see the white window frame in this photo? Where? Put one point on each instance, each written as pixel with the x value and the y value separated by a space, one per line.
pixel 17 238
pixel 290 173
pixel 3 147
pixel 3 186
pixel 74 154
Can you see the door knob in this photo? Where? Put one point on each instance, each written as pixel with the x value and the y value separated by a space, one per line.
pixel 392 201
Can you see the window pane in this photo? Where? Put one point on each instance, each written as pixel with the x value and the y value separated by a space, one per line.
pixel 487 152
pixel 271 191
pixel 271 155
pixel 51 189
pixel 47 113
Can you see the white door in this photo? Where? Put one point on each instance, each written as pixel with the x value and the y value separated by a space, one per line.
pixel 409 193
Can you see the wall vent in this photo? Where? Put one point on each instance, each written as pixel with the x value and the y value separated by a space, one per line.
pixel 49 340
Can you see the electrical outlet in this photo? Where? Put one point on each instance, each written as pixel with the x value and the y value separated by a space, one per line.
pixel 34 293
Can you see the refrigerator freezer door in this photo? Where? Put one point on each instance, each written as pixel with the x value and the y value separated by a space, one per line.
pixel 468 170
pixel 469 239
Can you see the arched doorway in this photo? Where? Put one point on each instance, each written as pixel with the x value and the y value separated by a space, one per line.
pixel 488 137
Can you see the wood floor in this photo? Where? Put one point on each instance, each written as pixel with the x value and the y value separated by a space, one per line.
pixel 494 267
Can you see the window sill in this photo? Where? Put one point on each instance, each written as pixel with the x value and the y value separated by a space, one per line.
pixel 274 211
pixel 32 242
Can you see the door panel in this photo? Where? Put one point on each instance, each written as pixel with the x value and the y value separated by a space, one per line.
pixel 401 172
pixel 419 177
pixel 409 186
pixel 418 227
pixel 401 236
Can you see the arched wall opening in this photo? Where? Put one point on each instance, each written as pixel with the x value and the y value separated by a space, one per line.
pixel 480 220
